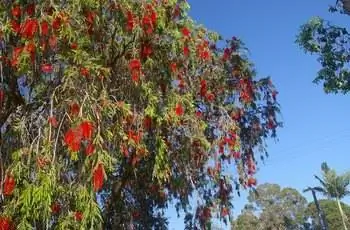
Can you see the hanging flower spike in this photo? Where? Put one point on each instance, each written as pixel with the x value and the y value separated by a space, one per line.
pixel 179 110
pixel 251 182
pixel 5 223
pixel 186 32
pixel 2 96
pixel 16 27
pixel 74 109
pixel 73 138
pixel 9 185
pixel 84 72
pixel 78 216
pixel 173 67
pixel 55 208
pixel 90 149
pixel 203 89
pixel 29 28
pixel 15 56
pixel 16 11
pixel 30 10
pixel 53 121
pixel 47 68
pixel 44 28
pixel 74 46
pixel 56 23
pixel 135 69
pixel 130 21
pixel 186 51
pixel 87 129
pixel 146 51
pixel 98 177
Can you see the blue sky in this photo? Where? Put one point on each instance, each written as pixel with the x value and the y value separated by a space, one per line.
pixel 316 125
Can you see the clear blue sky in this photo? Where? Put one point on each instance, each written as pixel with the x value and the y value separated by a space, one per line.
pixel 316 125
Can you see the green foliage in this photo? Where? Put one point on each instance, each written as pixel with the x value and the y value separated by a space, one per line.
pixel 271 207
pixel 330 209
pixel 330 43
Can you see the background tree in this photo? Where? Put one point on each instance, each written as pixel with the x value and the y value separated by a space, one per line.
pixel 335 187
pixel 274 208
pixel 247 220
pixel 333 217
pixel 112 109
pixel 331 44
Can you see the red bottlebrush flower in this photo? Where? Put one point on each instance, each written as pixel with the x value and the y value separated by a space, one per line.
pixel 224 212
pixel 30 47
pixel 236 155
pixel 227 53
pixel 72 138
pixel 53 121
pixel 56 23
pixel 55 208
pixel 186 32
pixel 130 21
pixel 16 27
pixel 90 17
pixel 146 50
pixel 53 42
pixel 147 25
pixel 98 177
pixel 46 68
pixel 2 96
pixel 16 11
pixel 251 182
pixel 74 46
pixel 74 109
pixel 5 223
pixel 9 185
pixel 210 97
pixel 147 123
pixel 30 10
pixel 87 128
pixel 198 113
pixel 173 67
pixel 186 51
pixel 15 56
pixel 179 110
pixel 84 71
pixel 44 28
pixel 90 149
pixel 78 216
pixel 135 69
pixel 29 28
pixel 203 89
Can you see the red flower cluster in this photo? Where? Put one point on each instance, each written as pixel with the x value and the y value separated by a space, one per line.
pixel 74 136
pixel 251 182
pixel 179 110
pixel 9 185
pixel 203 89
pixel 78 216
pixel 55 208
pixel 98 177
pixel 203 50
pixel 246 92
pixel 29 28
pixel 149 20
pixel 74 109
pixel 135 69
pixel 135 136
pixel 5 223
pixel 46 68
pixel 130 21
pixel 186 32
pixel 16 11
pixel 44 28
pixel 146 50
pixel 2 96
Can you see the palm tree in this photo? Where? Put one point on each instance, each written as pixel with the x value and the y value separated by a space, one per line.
pixel 334 186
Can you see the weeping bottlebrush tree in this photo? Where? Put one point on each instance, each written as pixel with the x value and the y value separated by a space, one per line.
pixel 112 109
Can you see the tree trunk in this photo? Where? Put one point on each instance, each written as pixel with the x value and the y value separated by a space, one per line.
pixel 343 217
